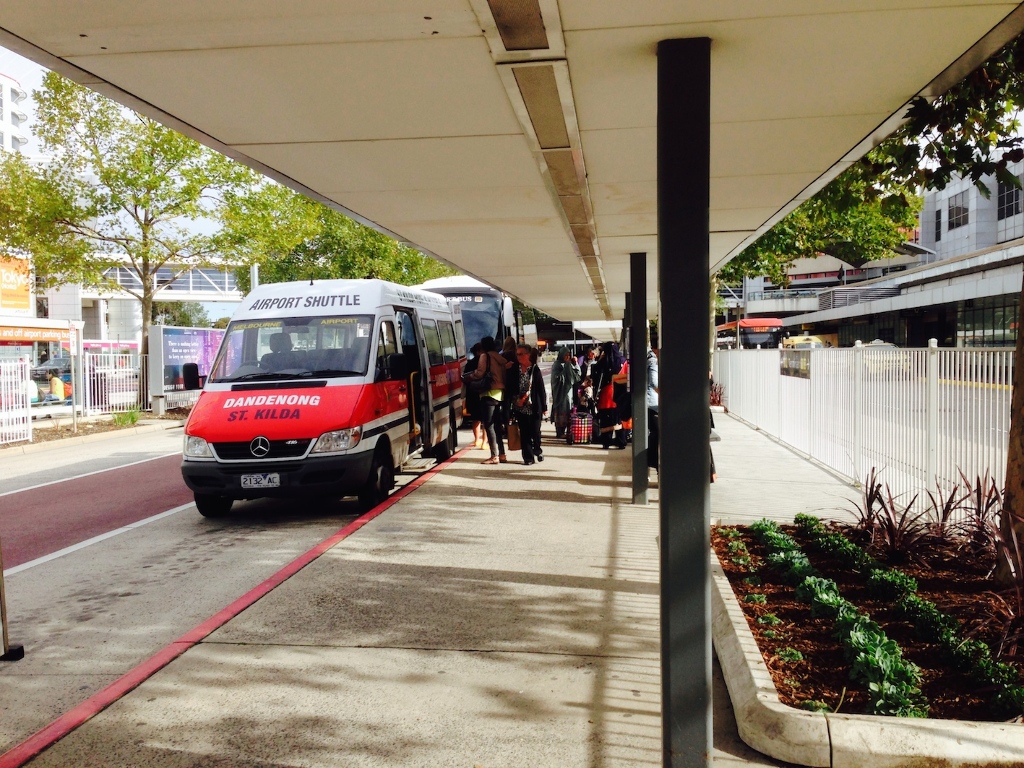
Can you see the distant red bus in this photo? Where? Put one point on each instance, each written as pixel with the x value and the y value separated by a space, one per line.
pixel 749 333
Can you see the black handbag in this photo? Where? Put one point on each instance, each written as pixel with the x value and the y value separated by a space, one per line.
pixel 484 384
pixel 481 385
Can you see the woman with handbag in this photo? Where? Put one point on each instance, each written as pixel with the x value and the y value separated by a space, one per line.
pixel 525 385
pixel 489 378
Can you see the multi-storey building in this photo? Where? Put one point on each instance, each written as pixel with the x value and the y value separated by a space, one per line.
pixel 965 292
pixel 12 118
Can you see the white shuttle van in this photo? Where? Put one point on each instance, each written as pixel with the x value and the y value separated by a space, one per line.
pixel 325 389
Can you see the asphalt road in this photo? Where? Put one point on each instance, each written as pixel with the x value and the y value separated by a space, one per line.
pixel 107 562
pixel 42 520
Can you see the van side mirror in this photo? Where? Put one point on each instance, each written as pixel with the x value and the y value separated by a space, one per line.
pixel 398 369
pixel 190 376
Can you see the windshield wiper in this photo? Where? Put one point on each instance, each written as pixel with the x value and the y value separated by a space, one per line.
pixel 332 372
pixel 263 376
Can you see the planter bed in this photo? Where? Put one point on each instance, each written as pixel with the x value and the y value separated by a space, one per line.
pixel 822 678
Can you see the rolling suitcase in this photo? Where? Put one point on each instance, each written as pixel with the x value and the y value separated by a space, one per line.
pixel 581 428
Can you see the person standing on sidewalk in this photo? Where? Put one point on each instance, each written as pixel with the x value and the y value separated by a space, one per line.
pixel 473 399
pixel 490 401
pixel 565 376
pixel 525 386
pixel 653 434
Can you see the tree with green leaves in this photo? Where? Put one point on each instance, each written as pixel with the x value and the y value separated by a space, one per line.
pixel 184 314
pixel 847 220
pixel 292 237
pixel 119 191
pixel 971 131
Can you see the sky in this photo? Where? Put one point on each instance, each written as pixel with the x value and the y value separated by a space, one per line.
pixel 30 76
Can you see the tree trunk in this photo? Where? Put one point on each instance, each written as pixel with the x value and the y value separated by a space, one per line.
pixel 147 315
pixel 1013 494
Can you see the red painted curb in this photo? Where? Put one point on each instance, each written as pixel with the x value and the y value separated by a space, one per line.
pixel 69 721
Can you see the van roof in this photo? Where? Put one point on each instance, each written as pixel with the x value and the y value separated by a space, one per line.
pixel 333 297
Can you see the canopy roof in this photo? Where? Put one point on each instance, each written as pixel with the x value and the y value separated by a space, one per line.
pixel 515 139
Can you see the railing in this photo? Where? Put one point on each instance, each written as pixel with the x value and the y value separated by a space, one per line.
pixel 847 297
pixel 114 383
pixel 918 416
pixel 784 293
pixel 15 404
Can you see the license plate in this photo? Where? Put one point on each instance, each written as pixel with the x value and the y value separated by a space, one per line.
pixel 262 480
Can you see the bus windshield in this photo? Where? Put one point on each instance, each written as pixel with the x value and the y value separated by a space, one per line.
pixel 264 350
pixel 749 333
pixel 481 316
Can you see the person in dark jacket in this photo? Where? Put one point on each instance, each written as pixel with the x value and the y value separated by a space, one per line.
pixel 524 388
pixel 609 420
pixel 473 407
pixel 491 400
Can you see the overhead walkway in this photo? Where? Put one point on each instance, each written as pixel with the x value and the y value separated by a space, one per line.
pixel 493 616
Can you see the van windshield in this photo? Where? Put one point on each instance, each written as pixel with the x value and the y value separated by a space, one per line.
pixel 296 347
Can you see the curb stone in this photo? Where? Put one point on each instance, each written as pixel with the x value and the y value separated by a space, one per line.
pixel 840 741
pixel 51 444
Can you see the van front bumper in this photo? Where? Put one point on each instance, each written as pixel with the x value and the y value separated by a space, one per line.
pixel 341 475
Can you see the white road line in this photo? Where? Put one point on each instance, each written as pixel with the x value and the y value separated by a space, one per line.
pixel 87 474
pixel 93 540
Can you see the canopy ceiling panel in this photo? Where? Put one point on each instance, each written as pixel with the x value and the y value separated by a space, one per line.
pixel 520 149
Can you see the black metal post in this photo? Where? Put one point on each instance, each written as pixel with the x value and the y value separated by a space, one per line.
pixel 638 371
pixel 684 133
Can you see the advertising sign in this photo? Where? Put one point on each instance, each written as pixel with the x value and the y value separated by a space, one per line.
pixel 188 345
pixel 17 334
pixel 15 296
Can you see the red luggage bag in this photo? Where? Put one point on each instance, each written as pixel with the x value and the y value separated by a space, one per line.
pixel 581 428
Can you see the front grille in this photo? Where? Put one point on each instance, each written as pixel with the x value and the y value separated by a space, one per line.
pixel 279 449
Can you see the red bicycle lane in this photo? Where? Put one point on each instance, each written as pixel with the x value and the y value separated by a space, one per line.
pixel 39 521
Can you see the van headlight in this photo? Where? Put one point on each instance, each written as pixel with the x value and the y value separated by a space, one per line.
pixel 340 440
pixel 197 448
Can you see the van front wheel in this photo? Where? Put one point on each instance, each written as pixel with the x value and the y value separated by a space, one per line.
pixel 379 482
pixel 213 506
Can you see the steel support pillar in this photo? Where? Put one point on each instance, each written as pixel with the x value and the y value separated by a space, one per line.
pixel 684 132
pixel 638 371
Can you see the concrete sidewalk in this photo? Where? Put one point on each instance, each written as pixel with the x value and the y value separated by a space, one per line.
pixel 495 616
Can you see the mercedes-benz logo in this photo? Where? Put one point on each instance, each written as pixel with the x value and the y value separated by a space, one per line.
pixel 259 447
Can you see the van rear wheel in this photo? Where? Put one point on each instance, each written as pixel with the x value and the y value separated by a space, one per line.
pixel 378 483
pixel 213 506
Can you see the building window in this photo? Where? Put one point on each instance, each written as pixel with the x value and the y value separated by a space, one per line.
pixel 938 224
pixel 1008 201
pixel 1009 224
pixel 987 322
pixel 957 211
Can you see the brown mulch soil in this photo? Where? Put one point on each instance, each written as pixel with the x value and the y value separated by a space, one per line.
pixel 62 428
pixel 955 582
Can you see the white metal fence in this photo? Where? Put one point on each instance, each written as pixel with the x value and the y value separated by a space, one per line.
pixel 114 383
pixel 918 416
pixel 15 416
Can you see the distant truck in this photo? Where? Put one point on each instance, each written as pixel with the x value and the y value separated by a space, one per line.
pixel 325 389
pixel 803 341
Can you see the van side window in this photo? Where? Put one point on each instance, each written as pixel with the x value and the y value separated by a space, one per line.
pixel 406 329
pixel 448 341
pixel 434 354
pixel 387 344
